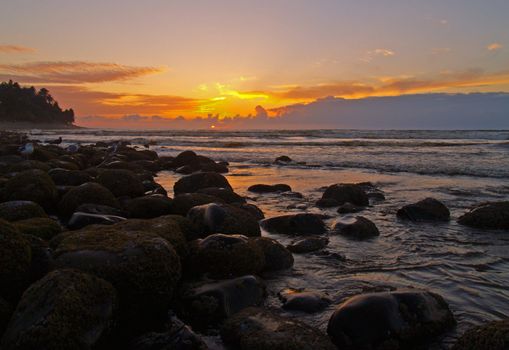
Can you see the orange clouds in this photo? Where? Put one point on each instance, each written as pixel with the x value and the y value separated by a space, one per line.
pixel 494 47
pixel 15 49
pixel 72 72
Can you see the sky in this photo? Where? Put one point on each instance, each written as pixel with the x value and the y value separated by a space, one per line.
pixel 121 62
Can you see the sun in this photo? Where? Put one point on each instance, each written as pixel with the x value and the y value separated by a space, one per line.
pixel 212 126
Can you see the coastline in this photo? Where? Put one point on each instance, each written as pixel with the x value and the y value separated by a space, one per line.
pixel 37 126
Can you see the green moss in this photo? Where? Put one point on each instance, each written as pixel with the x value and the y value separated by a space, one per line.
pixel 32 185
pixel 44 228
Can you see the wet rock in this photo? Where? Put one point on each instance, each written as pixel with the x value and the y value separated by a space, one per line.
pixel 348 208
pixel 152 187
pixel 227 195
pixel 296 224
pixel 29 165
pixel 300 300
pixel 493 336
pixel 41 260
pixel 215 167
pixel 5 315
pixel 21 210
pixel 292 194
pixel 338 194
pixel 31 185
pixel 209 304
pixel 277 257
pixel 428 209
pixel 143 267
pixel 121 182
pixel 148 207
pixel 44 228
pixel 396 320
pixel 64 177
pixel 494 215
pixel 283 159
pixel 261 188
pixel 87 193
pixel 224 218
pixel 361 228
pixel 226 256
pixel 252 209
pixel 190 230
pixel 256 328
pixel 15 259
pixel 195 182
pixel 65 310
pixel 182 203
pixel 100 210
pixel 308 245
pixel 79 220
pixel 148 165
pixel 184 158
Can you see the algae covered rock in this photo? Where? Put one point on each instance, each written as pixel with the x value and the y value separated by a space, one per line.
pixel 339 194
pixel 32 185
pixel 276 256
pixel 21 210
pixel 148 207
pixel 295 224
pixel 44 228
pixel 121 182
pixel 182 203
pixel 493 336
pixel 87 193
pixel 428 209
pixel 197 181
pixel 64 177
pixel 493 215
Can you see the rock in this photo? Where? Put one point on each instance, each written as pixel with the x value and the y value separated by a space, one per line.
pixel 5 315
pixel 309 244
pixel 277 257
pixel 361 228
pixel 299 300
pixel 15 261
pixel 21 210
pixel 224 218
pixel 295 224
pixel 190 230
pixel 428 209
pixel 215 167
pixel 32 185
pixel 44 228
pixel 87 193
pixel 344 193
pixel 256 212
pixel 29 165
pixel 65 310
pixel 261 188
pixel 182 203
pixel 348 208
pixel 493 336
pixel 226 256
pixel 283 159
pixel 100 209
pixel 327 203
pixel 493 215
pixel 256 328
pixel 79 220
pixel 149 165
pixel 121 182
pixel 399 320
pixel 227 195
pixel 64 177
pixel 41 260
pixel 148 207
pixel 209 304
pixel 184 158
pixel 143 267
pixel 195 182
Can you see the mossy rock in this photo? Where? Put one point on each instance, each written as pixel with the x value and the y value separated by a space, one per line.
pixel 143 267
pixel 66 309
pixel 197 181
pixel 190 230
pixel 15 259
pixel 121 182
pixel 492 336
pixel 89 192
pixel 32 185
pixel 182 203
pixel 338 194
pixel 29 165
pixel 148 207
pixel 277 257
pixel 44 228
pixel 65 177
pixel 21 210
pixel 42 259
pixel 227 195
pixel 492 215
pixel 5 314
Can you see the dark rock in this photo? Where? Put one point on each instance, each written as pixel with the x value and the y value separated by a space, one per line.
pixel 121 182
pixel 148 207
pixel 184 158
pixel 182 203
pixel 190 230
pixel 494 215
pixel 21 210
pixel 491 336
pixel 32 185
pixel 299 300
pixel 64 177
pixel 361 228
pixel 428 209
pixel 256 212
pixel 261 188
pixel 215 167
pixel 345 193
pixel 224 218
pixel 100 210
pixel 227 195
pixel 396 320
pixel 195 182
pixel 5 315
pixel 29 165
pixel 65 310
pixel 211 303
pixel 44 228
pixel 152 187
pixel 225 256
pixel 256 329
pixel 309 244
pixel 327 203
pixel 186 169
pixel 79 220
pixel 149 165
pixel 348 208
pixel 87 193
pixel 283 159
pixel 296 224
pixel 41 260
pixel 277 257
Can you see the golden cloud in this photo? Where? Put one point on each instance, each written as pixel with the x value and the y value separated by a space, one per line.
pixel 494 47
pixel 15 49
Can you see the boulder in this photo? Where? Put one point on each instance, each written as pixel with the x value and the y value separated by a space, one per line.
pixel 5 315
pixel 64 177
pixel 32 185
pixel 224 218
pixel 295 224
pixel 494 215
pixel 256 212
pixel 493 336
pixel 148 207
pixel 277 257
pixel 41 260
pixel 361 228
pixel 182 203
pixel 256 328
pixel 396 320
pixel 21 210
pixel 195 182
pixel 428 209
pixel 44 228
pixel 307 245
pixel 338 194
pixel 349 208
pixel 79 220
pixel 184 158
pixel 87 193
pixel 100 209
pixel 301 300
pixel 66 309
pixel 29 165
pixel 121 182
pixel 261 188
pixel 283 159
pixel 227 195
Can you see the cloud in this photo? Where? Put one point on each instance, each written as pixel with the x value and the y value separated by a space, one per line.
pixel 494 47
pixel 15 49
pixel 370 55
pixel 72 72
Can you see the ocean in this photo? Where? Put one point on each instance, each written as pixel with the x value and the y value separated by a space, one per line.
pixel 468 267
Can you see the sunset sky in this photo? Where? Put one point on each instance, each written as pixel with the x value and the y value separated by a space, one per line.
pixel 194 58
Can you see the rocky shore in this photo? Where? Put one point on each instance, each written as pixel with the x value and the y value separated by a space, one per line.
pixel 94 254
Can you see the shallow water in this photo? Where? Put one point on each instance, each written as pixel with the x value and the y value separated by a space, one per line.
pixel 468 267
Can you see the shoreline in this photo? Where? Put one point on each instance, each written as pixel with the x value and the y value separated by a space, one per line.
pixel 14 126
